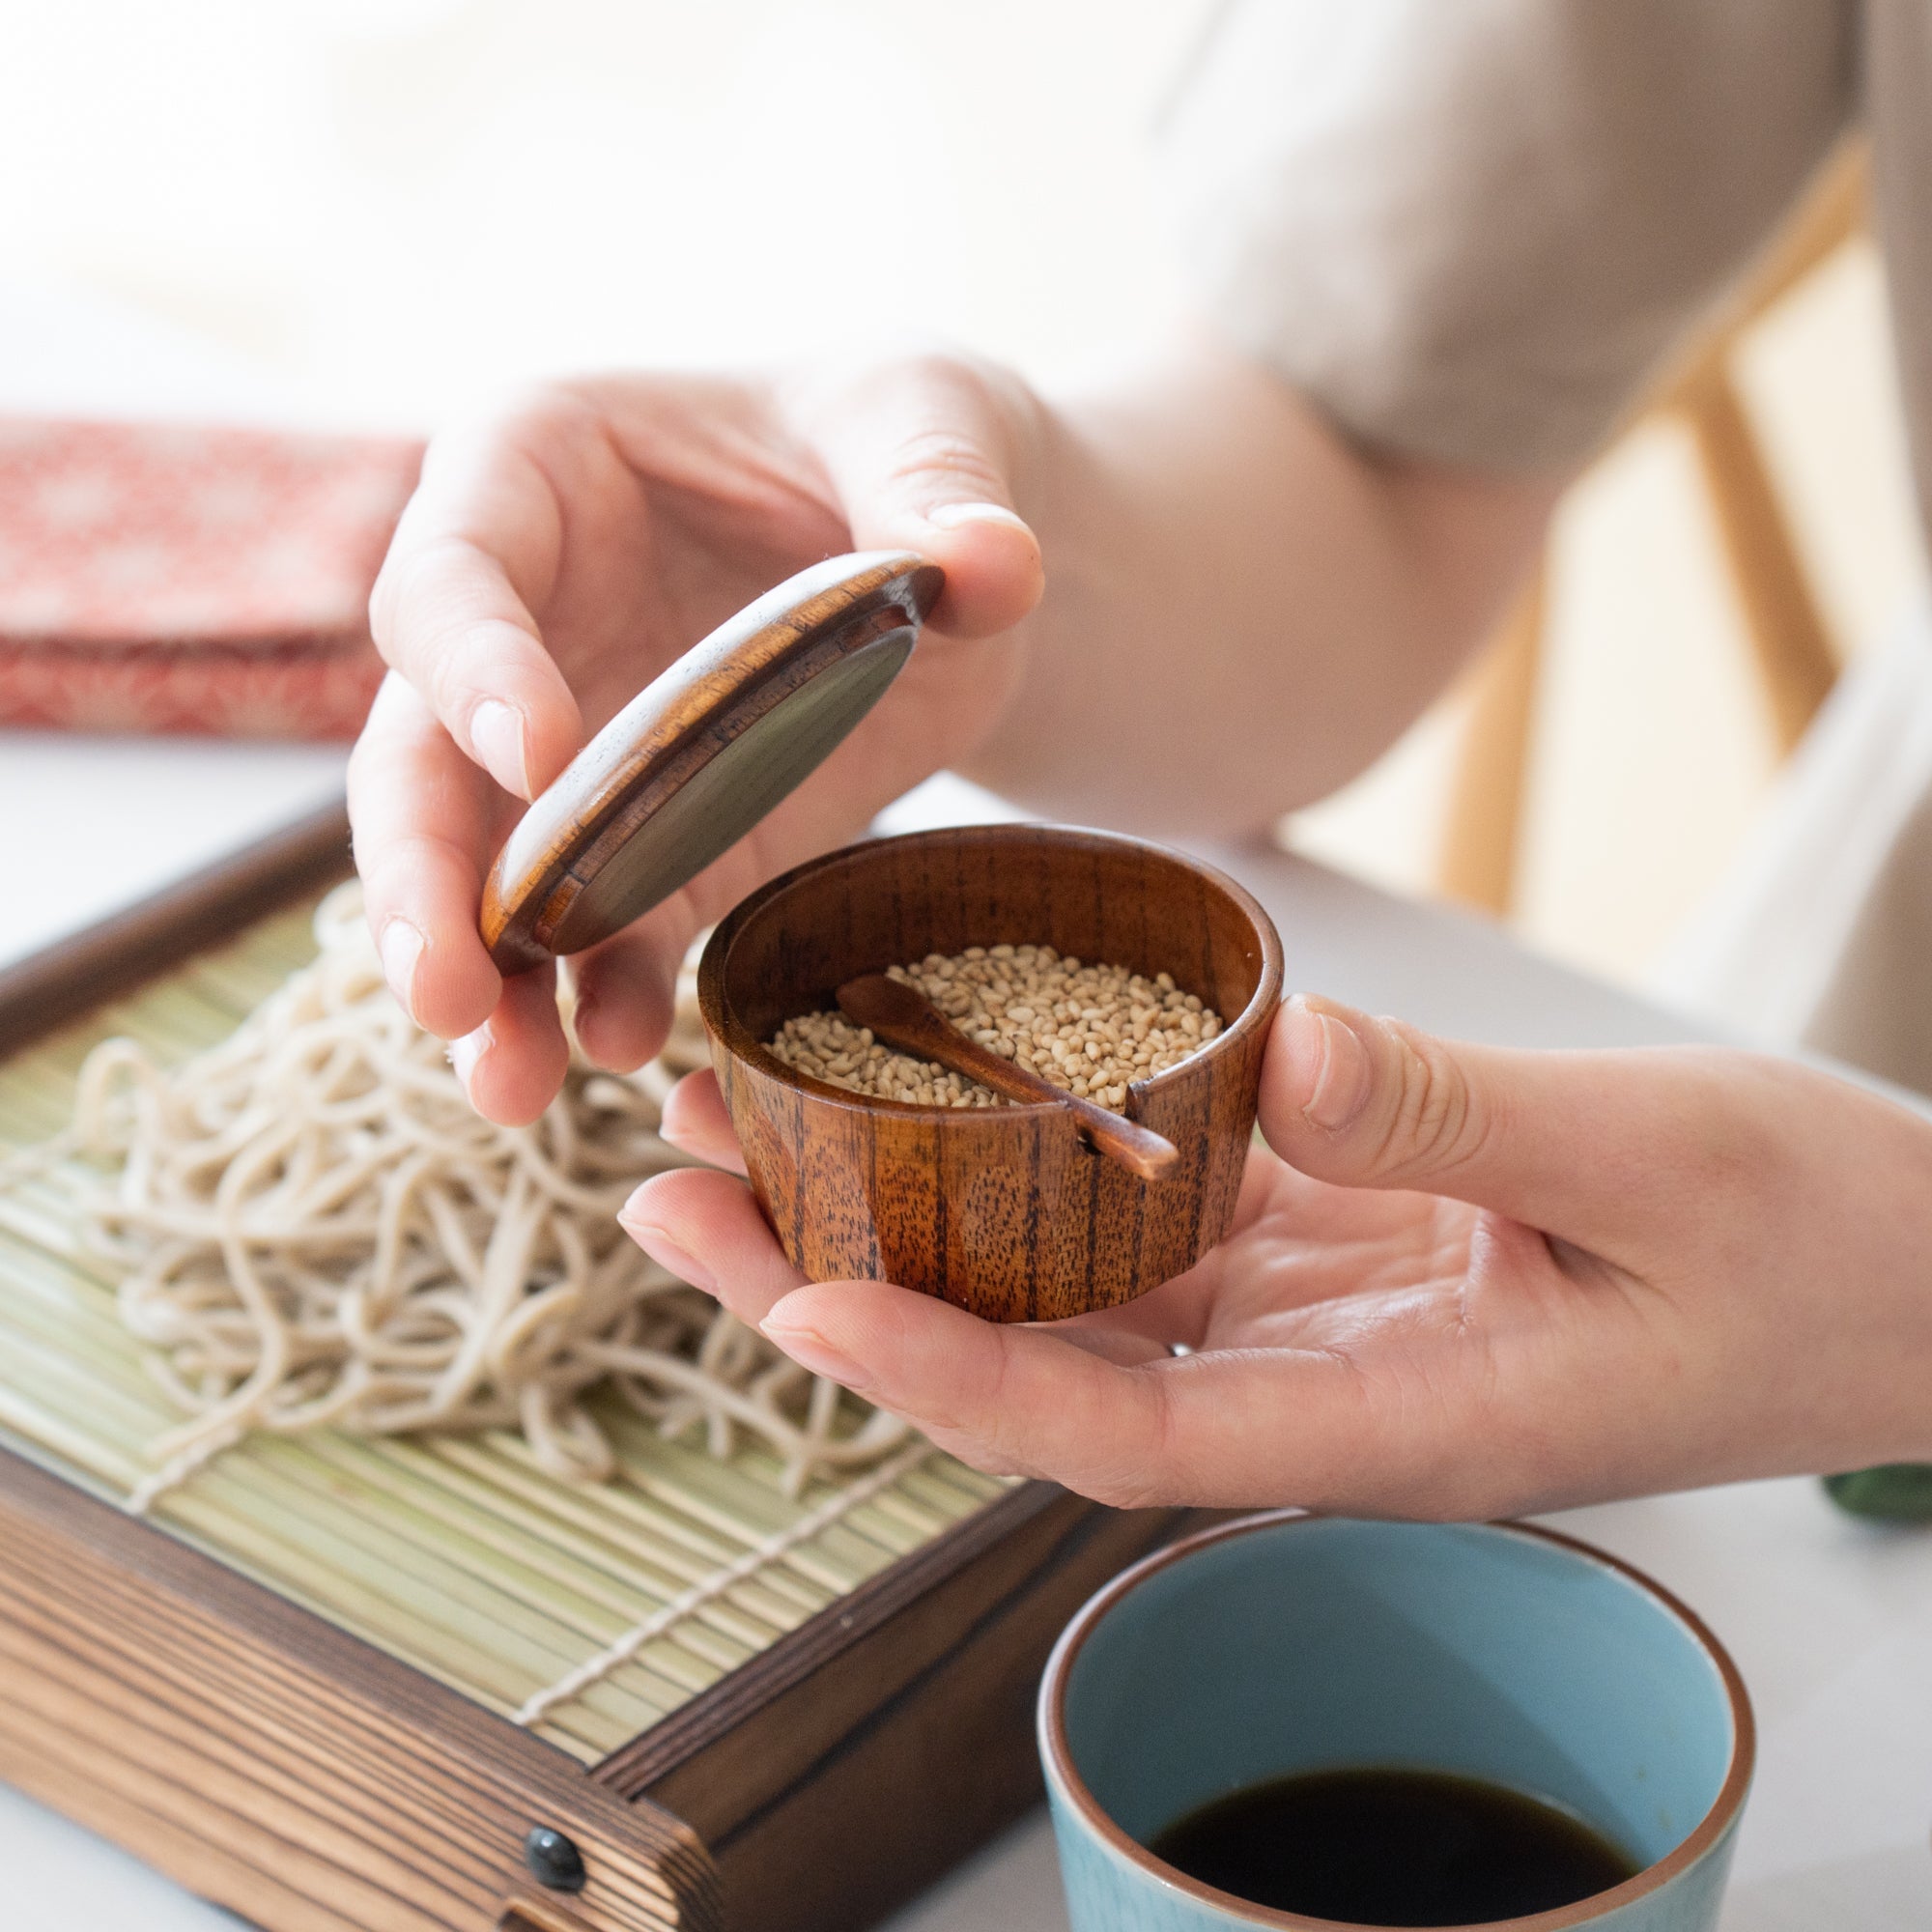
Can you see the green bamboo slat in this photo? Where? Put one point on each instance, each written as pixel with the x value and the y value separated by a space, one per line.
pixel 618 1577
pixel 76 1445
pixel 116 1416
pixel 714 1493
pixel 545 1603
pixel 592 1581
pixel 951 1489
pixel 483 1639
pixel 619 1519
pixel 457 1554
pixel 667 1674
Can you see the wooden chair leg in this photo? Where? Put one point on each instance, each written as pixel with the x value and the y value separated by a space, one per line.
pixel 1482 826
pixel 1791 649
pixel 1790 646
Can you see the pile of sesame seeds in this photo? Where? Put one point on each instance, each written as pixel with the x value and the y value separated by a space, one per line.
pixel 1089 1029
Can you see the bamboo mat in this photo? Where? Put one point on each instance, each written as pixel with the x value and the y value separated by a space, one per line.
pixel 456 1553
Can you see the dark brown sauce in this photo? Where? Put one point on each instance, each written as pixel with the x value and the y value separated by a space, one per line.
pixel 1392 1848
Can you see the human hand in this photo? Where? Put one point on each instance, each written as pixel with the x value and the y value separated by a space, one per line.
pixel 556 557
pixel 1461 1283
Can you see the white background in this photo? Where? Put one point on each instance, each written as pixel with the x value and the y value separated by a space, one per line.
pixel 382 207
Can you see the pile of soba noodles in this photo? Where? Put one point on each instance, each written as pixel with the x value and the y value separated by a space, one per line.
pixel 311 1227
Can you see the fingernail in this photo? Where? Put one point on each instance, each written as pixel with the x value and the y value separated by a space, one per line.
pixel 808 1348
pixel 465 1053
pixel 496 731
pixel 401 947
pixel 951 516
pixel 667 1253
pixel 1332 1068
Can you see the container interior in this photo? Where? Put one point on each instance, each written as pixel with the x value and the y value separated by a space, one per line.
pixel 1319 1645
pixel 893 901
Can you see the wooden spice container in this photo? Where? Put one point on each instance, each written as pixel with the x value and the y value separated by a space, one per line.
pixel 1005 1211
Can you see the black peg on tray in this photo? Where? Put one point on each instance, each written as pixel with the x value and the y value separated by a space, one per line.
pixel 553 1860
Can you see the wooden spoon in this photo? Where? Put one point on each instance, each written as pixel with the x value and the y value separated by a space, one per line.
pixel 903 1016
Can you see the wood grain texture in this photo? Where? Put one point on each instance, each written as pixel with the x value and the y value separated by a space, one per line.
pixel 663 739
pixel 540 1912
pixel 1790 644
pixel 898 1736
pixel 277 1766
pixel 1004 1210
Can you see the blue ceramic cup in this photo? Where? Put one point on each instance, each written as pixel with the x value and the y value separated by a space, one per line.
pixel 1289 1643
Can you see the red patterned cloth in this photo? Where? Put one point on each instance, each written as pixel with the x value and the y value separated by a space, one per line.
pixel 157 578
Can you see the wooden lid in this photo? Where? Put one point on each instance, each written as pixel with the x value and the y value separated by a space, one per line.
pixel 702 753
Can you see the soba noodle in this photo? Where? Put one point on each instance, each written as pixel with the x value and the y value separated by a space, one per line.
pixel 312 1226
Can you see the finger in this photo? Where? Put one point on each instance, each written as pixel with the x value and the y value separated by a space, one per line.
pixel 706 1229
pixel 1277 1426
pixel 626 990
pixel 422 816
pixel 698 1122
pixel 511 1065
pixel 1601 1148
pixel 722 1232
pixel 1127 1343
pixel 1012 1400
pixel 1126 1426
pixel 478 547
pixel 1168 1319
pixel 922 453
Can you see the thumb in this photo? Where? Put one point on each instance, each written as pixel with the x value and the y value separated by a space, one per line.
pixel 1586 1146
pixel 923 453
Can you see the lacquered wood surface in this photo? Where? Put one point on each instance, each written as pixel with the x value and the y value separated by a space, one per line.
pixel 702 753
pixel 1004 1210
pixel 271 1762
pixel 840 1774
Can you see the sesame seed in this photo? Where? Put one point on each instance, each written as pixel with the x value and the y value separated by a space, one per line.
pixel 1091 1029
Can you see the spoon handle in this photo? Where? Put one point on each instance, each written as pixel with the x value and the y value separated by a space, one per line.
pixel 888 1008
pixel 1138 1149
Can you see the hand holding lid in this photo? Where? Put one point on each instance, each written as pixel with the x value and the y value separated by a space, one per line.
pixel 702 753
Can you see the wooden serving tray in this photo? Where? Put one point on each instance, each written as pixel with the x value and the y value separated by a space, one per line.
pixel 262 1755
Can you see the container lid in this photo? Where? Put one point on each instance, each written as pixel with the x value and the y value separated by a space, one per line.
pixel 702 753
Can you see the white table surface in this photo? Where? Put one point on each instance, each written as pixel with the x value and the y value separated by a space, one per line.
pixel 1830 1620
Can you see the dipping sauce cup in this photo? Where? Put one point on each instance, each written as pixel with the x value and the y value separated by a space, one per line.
pixel 1288 1643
